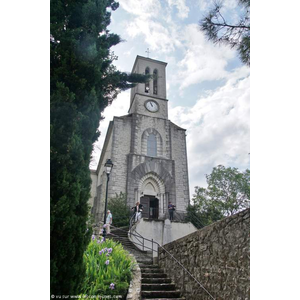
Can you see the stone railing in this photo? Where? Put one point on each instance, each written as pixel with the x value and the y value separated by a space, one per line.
pixel 218 256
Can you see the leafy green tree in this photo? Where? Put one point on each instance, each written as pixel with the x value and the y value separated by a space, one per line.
pixel 229 189
pixel 237 35
pixel 204 211
pixel 83 82
pixel 228 192
pixel 119 209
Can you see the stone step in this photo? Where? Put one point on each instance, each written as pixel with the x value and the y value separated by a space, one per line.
pixel 158 287
pixel 156 280
pixel 143 266
pixel 149 260
pixel 150 270
pixel 116 232
pixel 154 275
pixel 118 236
pixel 146 263
pixel 161 294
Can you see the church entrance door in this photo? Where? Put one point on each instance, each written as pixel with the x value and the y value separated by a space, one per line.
pixel 150 207
pixel 153 214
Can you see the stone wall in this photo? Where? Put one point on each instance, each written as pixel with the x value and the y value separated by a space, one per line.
pixel 179 155
pixel 93 192
pixel 120 148
pixel 161 231
pixel 218 256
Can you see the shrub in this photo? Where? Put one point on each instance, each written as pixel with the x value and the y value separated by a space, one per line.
pixel 108 269
pixel 119 209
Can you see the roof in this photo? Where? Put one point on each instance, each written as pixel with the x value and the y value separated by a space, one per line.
pixel 147 59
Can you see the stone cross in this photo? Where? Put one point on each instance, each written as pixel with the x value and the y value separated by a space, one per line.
pixel 147 52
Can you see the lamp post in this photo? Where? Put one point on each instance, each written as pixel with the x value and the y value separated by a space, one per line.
pixel 108 167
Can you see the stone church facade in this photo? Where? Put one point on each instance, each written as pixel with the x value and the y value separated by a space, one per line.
pixel 148 151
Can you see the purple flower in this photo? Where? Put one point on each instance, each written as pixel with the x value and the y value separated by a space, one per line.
pixel 107 254
pixel 109 250
pixel 107 262
pixel 112 286
pixel 102 240
pixel 98 241
pixel 93 237
pixel 105 249
pixel 100 252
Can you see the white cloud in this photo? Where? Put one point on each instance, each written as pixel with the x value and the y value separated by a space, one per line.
pixel 202 60
pixel 153 23
pixel 217 128
pixel 157 36
pixel 144 9
pixel 183 10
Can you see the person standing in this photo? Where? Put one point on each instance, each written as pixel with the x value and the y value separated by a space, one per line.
pixel 138 208
pixel 171 209
pixel 108 221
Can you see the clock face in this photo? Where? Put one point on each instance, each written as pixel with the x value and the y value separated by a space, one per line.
pixel 151 106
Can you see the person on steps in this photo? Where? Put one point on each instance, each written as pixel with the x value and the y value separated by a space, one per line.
pixel 108 221
pixel 138 208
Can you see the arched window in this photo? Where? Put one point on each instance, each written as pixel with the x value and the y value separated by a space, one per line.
pixel 155 76
pixel 151 145
pixel 147 141
pixel 147 85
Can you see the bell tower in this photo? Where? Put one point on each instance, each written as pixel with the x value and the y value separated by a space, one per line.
pixel 150 98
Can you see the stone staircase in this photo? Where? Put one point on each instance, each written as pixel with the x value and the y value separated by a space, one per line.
pixel 155 283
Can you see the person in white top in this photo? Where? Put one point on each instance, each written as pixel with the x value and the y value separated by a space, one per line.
pixel 108 221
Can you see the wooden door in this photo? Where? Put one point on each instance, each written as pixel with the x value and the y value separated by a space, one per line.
pixel 145 201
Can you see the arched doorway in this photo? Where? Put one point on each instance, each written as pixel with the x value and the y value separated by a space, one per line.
pixel 151 188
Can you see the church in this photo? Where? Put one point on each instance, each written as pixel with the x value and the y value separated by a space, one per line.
pixel 147 150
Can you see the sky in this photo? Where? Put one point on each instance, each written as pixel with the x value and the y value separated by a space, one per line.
pixel 208 88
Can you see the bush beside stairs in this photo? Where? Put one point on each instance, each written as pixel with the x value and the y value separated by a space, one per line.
pixel 155 283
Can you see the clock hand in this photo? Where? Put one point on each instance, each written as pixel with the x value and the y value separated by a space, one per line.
pixel 151 104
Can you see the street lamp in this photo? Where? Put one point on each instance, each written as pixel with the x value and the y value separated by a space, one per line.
pixel 108 167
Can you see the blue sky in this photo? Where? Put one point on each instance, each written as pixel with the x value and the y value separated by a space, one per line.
pixel 207 86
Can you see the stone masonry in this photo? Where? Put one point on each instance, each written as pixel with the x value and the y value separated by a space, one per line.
pixel 217 255
pixel 164 175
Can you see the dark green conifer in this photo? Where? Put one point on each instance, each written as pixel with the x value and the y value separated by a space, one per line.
pixel 83 82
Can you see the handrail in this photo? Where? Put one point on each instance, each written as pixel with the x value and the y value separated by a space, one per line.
pixel 194 219
pixel 152 241
pixel 139 236
pixel 187 271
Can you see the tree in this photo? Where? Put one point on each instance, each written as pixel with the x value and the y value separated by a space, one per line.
pixel 204 211
pixel 229 189
pixel 218 30
pixel 120 210
pixel 227 193
pixel 83 82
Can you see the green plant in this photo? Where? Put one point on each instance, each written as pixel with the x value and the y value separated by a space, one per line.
pixel 108 269
pixel 227 193
pixel 83 81
pixel 119 209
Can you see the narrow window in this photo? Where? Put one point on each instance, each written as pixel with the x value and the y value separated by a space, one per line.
pixel 151 145
pixel 147 86
pixel 155 82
